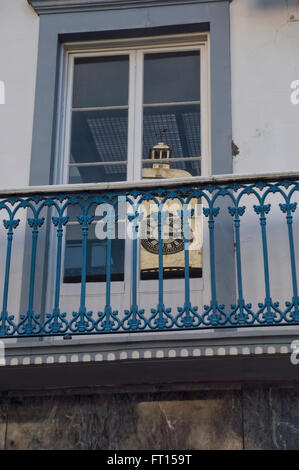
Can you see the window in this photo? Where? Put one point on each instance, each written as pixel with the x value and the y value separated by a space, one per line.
pixel 122 99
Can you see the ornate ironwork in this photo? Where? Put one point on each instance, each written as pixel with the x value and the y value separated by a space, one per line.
pixel 45 212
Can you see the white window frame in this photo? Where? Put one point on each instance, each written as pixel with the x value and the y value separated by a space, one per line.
pixel 180 42
pixel 135 48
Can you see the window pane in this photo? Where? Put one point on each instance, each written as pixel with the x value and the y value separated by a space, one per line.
pixel 99 136
pixel 171 116
pixel 96 254
pixel 98 153
pixel 97 174
pixel 181 124
pixel 172 77
pixel 101 81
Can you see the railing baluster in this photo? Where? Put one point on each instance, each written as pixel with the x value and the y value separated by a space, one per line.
pixel 288 209
pixel 108 324
pixel 31 321
pixel 161 315
pixel 213 319
pixel 134 314
pixel 111 321
pixel 269 316
pixel 58 222
pixel 80 322
pixel 236 212
pixel 186 232
pixel 10 225
pixel 56 319
pixel 189 319
pixel 159 217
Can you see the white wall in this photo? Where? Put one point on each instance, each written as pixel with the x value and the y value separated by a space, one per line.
pixel 19 27
pixel 265 60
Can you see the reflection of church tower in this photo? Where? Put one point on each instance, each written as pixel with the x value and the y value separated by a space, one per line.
pixel 173 247
pixel 161 154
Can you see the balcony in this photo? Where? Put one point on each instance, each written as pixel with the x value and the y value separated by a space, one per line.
pixel 242 273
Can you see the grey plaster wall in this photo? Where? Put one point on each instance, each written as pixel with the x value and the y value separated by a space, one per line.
pixel 256 417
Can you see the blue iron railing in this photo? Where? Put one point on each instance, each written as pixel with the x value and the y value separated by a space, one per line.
pixel 55 210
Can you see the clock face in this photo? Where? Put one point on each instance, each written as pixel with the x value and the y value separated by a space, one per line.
pixel 171 244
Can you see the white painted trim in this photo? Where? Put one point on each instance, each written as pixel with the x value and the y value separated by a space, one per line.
pixel 137 43
pixel 68 119
pixel 2 92
pixel 205 108
pixel 138 140
pixel 118 162
pixel 150 105
pixel 125 162
pixel 174 103
pixel 206 163
pixel 131 117
pixel 98 108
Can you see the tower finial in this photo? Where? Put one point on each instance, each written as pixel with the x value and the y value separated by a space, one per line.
pixel 163 131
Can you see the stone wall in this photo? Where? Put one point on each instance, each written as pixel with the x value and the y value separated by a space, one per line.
pixel 236 417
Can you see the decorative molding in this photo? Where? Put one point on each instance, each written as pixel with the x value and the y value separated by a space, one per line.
pixel 118 363
pixel 44 7
pixel 151 353
pixel 49 352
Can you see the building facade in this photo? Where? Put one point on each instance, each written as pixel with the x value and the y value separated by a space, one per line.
pixel 149 224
